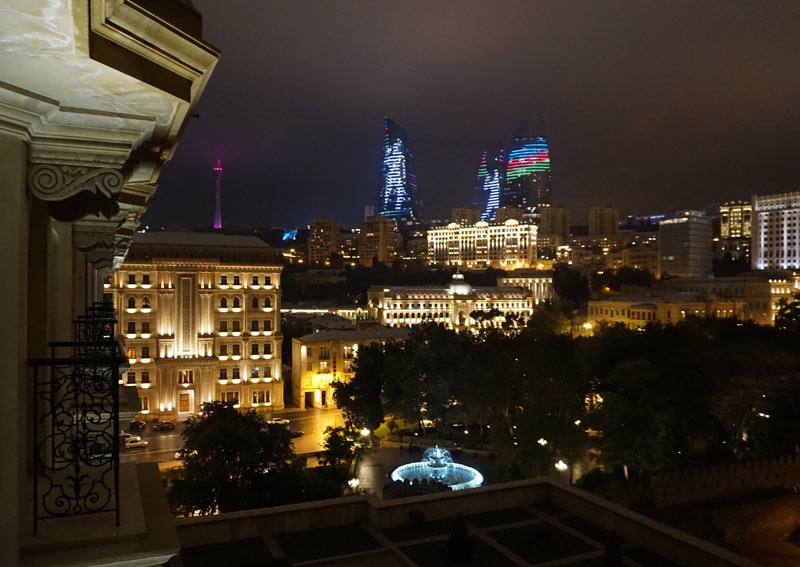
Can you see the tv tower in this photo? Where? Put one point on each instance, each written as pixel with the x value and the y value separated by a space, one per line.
pixel 217 204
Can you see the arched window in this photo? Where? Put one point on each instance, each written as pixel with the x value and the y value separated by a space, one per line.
pixel 223 302
pixel 145 303
pixel 255 303
pixel 235 302
pixel 131 303
pixel 267 302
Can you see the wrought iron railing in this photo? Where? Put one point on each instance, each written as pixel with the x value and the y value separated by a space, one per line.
pixel 75 422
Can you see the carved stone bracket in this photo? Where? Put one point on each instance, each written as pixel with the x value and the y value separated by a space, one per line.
pixel 51 182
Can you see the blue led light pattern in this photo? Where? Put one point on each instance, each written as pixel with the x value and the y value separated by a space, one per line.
pixel 397 193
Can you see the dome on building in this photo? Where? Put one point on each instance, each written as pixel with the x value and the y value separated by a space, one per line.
pixel 459 286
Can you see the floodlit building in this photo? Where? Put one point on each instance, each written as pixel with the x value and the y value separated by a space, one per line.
pixel 636 311
pixel 538 282
pixel 200 319
pixel 94 98
pixel 776 231
pixel 321 358
pixel 377 241
pixel 324 240
pixel 456 306
pixel 685 245
pixel 528 177
pixel 509 245
pixel 398 197
pixel 735 230
pixel 603 221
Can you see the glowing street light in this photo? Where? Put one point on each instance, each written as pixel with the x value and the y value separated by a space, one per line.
pixel 542 441
pixel 365 433
pixel 561 466
pixel 353 483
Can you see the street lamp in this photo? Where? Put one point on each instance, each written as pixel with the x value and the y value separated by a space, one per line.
pixel 561 466
pixel 365 432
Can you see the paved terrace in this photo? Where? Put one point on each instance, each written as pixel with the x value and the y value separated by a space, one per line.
pixel 532 522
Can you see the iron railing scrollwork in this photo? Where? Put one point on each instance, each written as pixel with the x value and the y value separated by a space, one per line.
pixel 76 425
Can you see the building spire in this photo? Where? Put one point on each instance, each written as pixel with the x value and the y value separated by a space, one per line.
pixel 217 196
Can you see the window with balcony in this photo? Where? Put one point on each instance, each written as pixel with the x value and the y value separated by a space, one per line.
pixel 223 326
pixel 324 353
pixel 145 352
pixel 131 377
pixel 232 397
pixel 260 396
pixel 185 376
pixel 131 303
pixel 131 328
pixel 323 366
pixel 145 377
pixel 348 352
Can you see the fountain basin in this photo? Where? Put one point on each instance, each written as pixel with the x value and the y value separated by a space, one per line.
pixel 437 465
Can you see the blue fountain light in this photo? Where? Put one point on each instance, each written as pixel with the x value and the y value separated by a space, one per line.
pixel 438 465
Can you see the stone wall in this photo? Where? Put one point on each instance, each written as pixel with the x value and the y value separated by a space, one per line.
pixel 680 487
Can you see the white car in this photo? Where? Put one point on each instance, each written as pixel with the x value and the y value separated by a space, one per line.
pixel 131 443
pixel 278 421
pixel 129 437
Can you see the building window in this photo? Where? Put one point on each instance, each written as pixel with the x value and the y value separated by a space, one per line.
pixel 131 278
pixel 236 304
pixel 131 377
pixel 223 326
pixel 323 366
pixel 267 280
pixel 255 280
pixel 236 280
pixel 131 303
pixel 267 303
pixel 223 302
pixel 131 328
pixel 146 279
pixel 145 352
pixel 324 353
pixel 308 367
pixel 347 365
pixel 267 325
pixel 309 352
pixel 185 376
pixel 236 375
pixel 268 372
pixel 145 377
pixel 145 327
pixel 254 326
pixel 223 350
pixel 223 373
pixel 268 349
pixel 131 352
pixel 253 348
pixel 254 372
pixel 254 303
pixel 145 402
pixel 145 303
pixel 223 280
pixel 237 326
pixel 348 351
pixel 260 396
pixel 236 351
pixel 230 397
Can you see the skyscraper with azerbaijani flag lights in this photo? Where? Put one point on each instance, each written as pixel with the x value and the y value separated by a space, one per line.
pixel 398 196
pixel 528 169
pixel 490 183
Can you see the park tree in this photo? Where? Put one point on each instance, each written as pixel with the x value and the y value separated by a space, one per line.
pixel 338 447
pixel 360 398
pixel 570 285
pixel 788 316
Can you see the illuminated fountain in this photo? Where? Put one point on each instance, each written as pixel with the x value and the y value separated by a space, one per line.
pixel 437 465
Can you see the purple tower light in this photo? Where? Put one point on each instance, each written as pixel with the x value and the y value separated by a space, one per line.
pixel 217 200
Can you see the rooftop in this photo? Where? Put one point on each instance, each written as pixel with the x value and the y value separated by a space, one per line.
pixel 368 333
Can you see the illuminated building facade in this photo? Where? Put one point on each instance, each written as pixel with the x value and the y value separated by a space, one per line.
pixel 377 241
pixel 465 215
pixel 324 240
pixel 538 282
pixel 735 230
pixel 509 245
pixel 685 245
pixel 200 318
pixel 457 306
pixel 776 231
pixel 398 197
pixel 528 177
pixel 319 359
pixel 490 183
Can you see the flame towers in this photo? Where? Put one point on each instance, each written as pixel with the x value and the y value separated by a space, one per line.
pixel 398 197
pixel 528 169
pixel 490 182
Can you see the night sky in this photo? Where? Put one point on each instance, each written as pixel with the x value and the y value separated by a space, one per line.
pixel 649 106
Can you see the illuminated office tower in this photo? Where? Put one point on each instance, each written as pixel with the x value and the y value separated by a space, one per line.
pixel 398 198
pixel 489 185
pixel 527 183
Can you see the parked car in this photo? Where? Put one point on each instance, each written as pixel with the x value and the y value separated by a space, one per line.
pixel 132 444
pixel 136 425
pixel 165 426
pixel 278 421
pixel 294 434
pixel 129 436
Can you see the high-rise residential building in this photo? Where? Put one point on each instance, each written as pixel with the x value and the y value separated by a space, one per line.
pixel 554 221
pixel 776 231
pixel 509 245
pixel 502 214
pixel 398 196
pixel 325 356
pixel 490 183
pixel 324 240
pixel 603 221
pixel 377 241
pixel 735 223
pixel 200 319
pixel 465 215
pixel 685 245
pixel 528 177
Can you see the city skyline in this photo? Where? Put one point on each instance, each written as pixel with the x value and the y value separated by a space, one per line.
pixel 644 108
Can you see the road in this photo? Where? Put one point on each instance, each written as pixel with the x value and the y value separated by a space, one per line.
pixel 162 447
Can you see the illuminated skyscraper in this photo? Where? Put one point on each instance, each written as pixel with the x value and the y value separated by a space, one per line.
pixel 528 170
pixel 398 198
pixel 217 196
pixel 489 185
